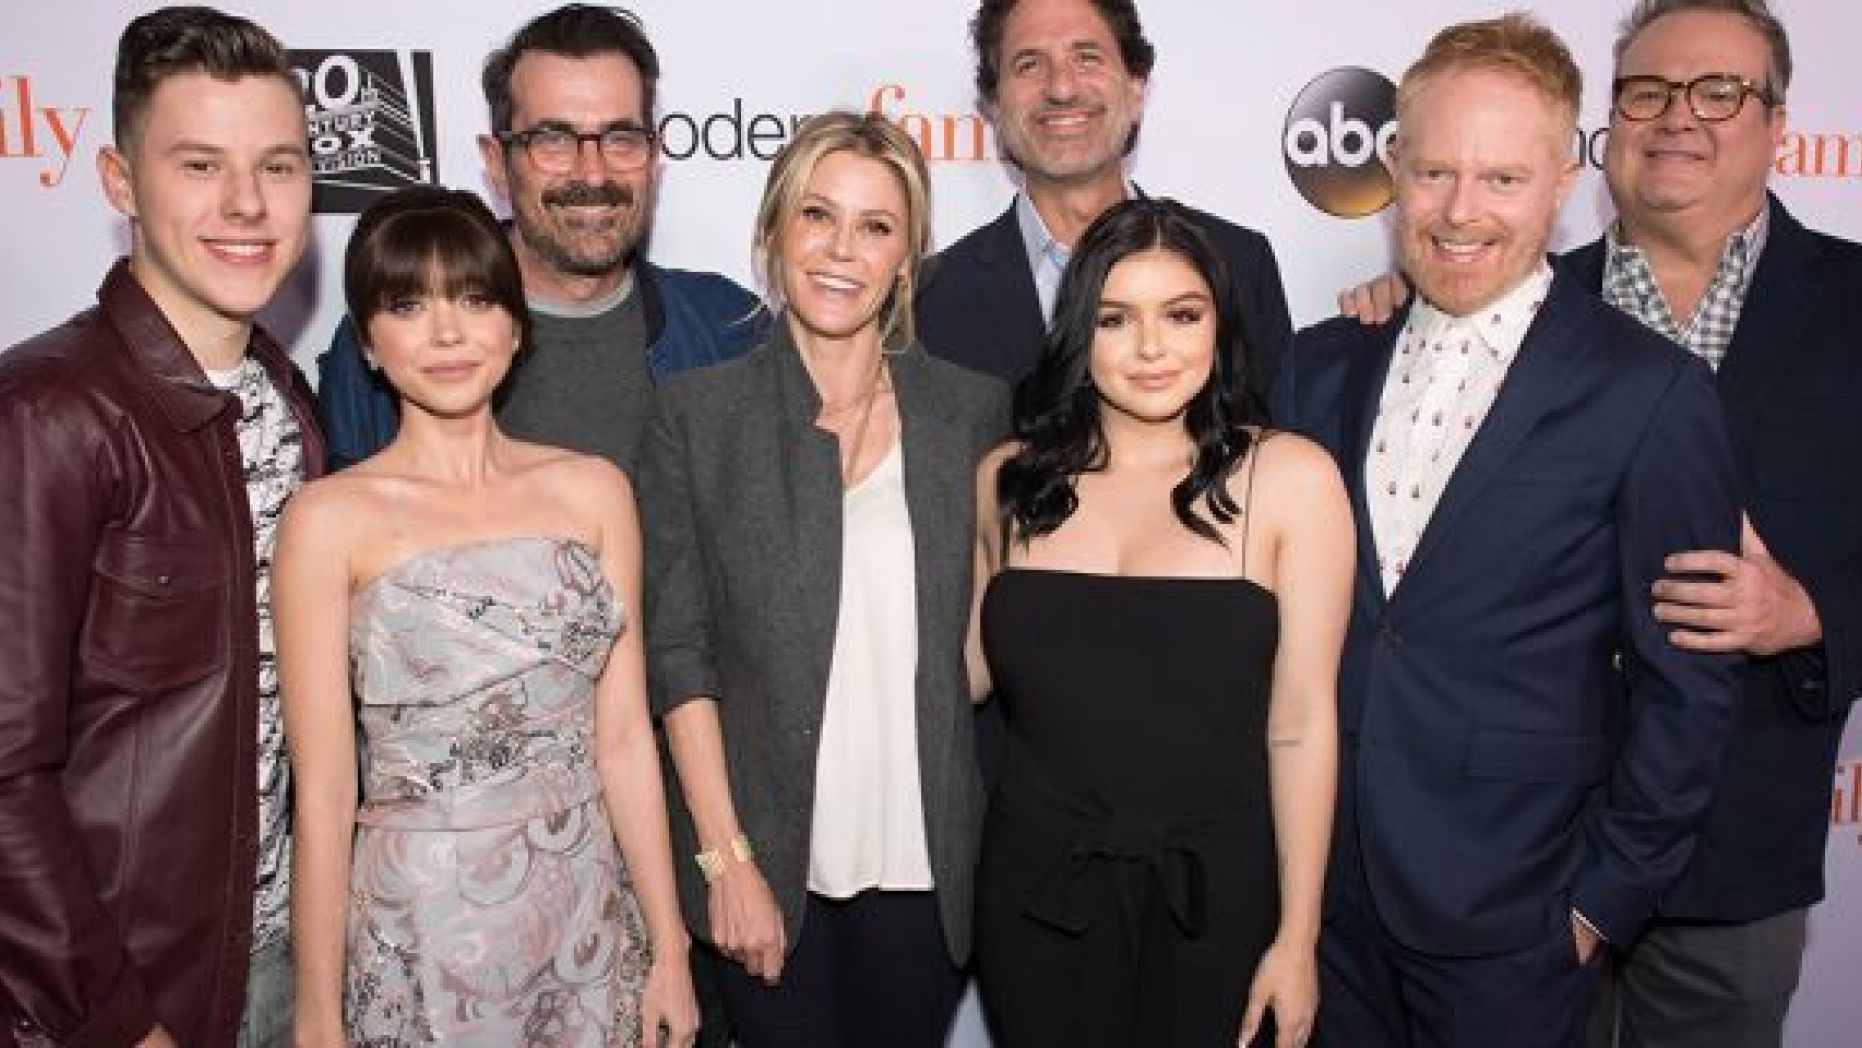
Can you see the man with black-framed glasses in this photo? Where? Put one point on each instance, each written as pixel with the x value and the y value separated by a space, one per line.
pixel 1704 254
pixel 572 149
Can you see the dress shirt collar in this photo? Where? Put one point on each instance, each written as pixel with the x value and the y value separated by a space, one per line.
pixel 1500 326
pixel 1047 257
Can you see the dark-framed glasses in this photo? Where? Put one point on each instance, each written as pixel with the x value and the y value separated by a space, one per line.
pixel 1712 97
pixel 554 148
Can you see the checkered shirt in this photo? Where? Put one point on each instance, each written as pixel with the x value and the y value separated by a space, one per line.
pixel 1629 285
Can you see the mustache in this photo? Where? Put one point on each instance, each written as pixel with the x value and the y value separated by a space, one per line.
pixel 589 194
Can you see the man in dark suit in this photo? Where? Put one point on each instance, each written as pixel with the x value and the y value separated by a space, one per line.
pixel 1063 83
pixel 1522 459
pixel 1700 252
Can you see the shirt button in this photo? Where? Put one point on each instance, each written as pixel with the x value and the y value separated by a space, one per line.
pixel 1390 637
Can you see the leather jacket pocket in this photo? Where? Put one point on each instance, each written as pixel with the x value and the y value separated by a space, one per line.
pixel 158 611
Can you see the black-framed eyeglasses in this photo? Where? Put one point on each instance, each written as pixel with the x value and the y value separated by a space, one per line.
pixel 1712 97
pixel 554 147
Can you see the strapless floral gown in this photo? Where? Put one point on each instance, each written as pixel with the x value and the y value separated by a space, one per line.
pixel 488 902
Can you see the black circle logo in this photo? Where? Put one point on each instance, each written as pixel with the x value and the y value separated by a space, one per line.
pixel 1337 141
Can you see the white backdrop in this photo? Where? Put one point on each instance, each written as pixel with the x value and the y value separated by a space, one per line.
pixel 738 71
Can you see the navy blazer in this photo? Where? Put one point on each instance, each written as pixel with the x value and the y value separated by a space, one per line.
pixel 978 305
pixel 1498 768
pixel 1791 392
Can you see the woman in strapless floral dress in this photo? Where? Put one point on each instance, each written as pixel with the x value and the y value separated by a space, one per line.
pixel 461 608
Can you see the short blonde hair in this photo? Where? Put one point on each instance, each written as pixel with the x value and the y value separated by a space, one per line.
pixel 870 135
pixel 1516 45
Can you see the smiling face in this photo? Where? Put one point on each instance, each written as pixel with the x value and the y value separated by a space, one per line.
pixel 575 229
pixel 842 249
pixel 1482 167
pixel 216 181
pixel 1678 169
pixel 1154 336
pixel 444 353
pixel 1065 105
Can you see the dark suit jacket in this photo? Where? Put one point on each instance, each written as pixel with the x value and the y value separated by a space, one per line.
pixel 740 498
pixel 1493 773
pixel 978 305
pixel 1791 391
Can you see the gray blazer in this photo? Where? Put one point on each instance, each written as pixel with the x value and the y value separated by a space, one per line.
pixel 740 500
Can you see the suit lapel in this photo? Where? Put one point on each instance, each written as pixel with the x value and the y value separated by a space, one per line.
pixel 936 472
pixel 808 467
pixel 1776 310
pixel 1546 363
pixel 1007 292
pixel 1364 391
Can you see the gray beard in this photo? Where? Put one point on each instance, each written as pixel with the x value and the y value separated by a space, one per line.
pixel 564 259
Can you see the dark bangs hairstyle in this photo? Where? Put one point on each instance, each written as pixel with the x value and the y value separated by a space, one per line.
pixel 1056 415
pixel 426 240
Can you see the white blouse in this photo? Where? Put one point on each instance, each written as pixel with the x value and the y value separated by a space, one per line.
pixel 869 823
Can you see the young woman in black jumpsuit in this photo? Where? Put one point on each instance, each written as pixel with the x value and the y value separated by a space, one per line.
pixel 1168 595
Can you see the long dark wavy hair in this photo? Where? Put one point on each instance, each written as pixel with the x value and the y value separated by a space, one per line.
pixel 1057 420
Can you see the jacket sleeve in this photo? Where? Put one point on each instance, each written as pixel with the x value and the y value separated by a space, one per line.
pixel 1267 324
pixel 64 972
pixel 355 405
pixel 1824 679
pixel 680 661
pixel 1679 495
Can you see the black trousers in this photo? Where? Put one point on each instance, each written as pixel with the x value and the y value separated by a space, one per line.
pixel 868 972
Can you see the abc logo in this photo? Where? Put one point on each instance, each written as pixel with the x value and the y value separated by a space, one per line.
pixel 1337 141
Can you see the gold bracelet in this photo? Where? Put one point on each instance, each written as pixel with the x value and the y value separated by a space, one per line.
pixel 711 860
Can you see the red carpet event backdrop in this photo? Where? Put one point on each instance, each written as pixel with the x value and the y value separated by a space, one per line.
pixel 1275 115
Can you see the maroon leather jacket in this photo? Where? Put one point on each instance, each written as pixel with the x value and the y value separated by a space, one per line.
pixel 128 682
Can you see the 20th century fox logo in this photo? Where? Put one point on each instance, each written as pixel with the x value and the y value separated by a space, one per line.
pixel 371 124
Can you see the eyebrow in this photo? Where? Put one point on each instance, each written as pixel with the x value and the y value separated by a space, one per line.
pixel 1201 297
pixel 619 123
pixel 809 195
pixel 208 148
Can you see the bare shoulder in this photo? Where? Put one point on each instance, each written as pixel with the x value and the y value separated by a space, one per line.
pixel 334 514
pixel 594 492
pixel 578 470
pixel 1288 464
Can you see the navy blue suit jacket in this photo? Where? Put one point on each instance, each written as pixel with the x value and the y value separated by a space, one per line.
pixel 978 307
pixel 1791 391
pixel 1498 768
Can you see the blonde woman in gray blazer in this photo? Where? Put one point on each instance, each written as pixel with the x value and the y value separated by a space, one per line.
pixel 809 513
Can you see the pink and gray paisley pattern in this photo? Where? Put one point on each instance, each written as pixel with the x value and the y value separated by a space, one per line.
pixel 488 902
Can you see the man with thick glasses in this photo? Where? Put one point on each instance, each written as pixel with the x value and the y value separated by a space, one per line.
pixel 572 148
pixel 1702 253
